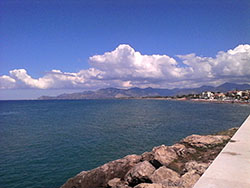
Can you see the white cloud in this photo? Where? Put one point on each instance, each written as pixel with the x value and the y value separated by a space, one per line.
pixel 234 62
pixel 230 66
pixel 124 67
pixel 125 63
pixel 6 82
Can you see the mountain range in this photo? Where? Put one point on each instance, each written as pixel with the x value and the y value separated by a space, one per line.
pixel 111 93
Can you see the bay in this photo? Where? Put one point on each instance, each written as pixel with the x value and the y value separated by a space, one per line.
pixel 43 143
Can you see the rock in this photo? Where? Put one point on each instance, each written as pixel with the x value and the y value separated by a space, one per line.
pixel 189 179
pixel 164 154
pixel 100 176
pixel 140 173
pixel 198 167
pixel 182 150
pixel 208 141
pixel 114 183
pixel 164 173
pixel 191 151
pixel 76 181
pixel 158 168
pixel 150 185
pixel 117 183
pixel 122 186
pixel 147 156
pixel 170 184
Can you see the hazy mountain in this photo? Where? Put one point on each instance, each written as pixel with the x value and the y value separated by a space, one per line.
pixel 110 93
pixel 230 86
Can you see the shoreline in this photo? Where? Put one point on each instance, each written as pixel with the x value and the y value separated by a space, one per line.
pixel 141 98
pixel 219 101
pixel 177 166
pixel 195 100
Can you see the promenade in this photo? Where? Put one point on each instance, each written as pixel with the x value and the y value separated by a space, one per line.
pixel 231 168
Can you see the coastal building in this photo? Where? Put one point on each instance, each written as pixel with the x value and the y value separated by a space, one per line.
pixel 207 95
pixel 239 96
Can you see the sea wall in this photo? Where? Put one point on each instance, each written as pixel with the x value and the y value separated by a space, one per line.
pixel 176 166
pixel 231 168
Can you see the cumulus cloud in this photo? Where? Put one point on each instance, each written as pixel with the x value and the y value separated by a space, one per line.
pixel 124 67
pixel 125 63
pixel 230 66
pixel 6 82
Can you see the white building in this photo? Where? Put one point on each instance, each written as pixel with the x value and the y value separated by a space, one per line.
pixel 207 95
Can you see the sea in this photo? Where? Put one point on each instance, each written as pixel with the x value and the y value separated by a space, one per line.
pixel 43 143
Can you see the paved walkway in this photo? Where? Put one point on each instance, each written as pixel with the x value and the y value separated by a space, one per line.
pixel 231 168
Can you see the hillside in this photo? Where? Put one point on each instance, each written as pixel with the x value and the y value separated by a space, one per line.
pixel 111 93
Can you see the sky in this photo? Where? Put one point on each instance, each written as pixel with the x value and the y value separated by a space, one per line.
pixel 49 47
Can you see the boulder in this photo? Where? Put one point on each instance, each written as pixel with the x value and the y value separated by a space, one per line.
pixel 164 174
pixel 208 141
pixel 122 186
pixel 191 157
pixel 140 173
pixel 181 150
pixel 147 156
pixel 100 176
pixel 169 184
pixel 198 167
pixel 189 179
pixel 116 183
pixel 164 154
pixel 150 185
pixel 76 181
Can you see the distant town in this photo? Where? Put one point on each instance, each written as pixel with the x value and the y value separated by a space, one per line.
pixel 235 96
pixel 226 93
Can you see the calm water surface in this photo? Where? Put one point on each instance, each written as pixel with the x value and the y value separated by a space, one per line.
pixel 43 143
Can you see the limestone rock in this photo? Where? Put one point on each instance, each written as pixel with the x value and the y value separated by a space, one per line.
pixel 205 141
pixel 139 173
pixel 164 173
pixel 190 157
pixel 164 154
pixel 198 167
pixel 75 182
pixel 122 186
pixel 150 185
pixel 191 151
pixel 100 176
pixel 169 184
pixel 147 156
pixel 182 150
pixel 115 183
pixel 189 179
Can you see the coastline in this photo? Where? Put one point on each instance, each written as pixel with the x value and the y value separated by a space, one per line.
pixel 194 100
pixel 176 166
pixel 219 101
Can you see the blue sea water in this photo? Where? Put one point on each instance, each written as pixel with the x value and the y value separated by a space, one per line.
pixel 43 143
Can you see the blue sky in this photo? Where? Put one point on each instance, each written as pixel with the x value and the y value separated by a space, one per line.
pixel 40 36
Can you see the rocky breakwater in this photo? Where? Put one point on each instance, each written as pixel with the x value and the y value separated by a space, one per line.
pixel 176 166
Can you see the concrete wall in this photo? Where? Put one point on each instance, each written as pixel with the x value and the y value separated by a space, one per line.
pixel 231 168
